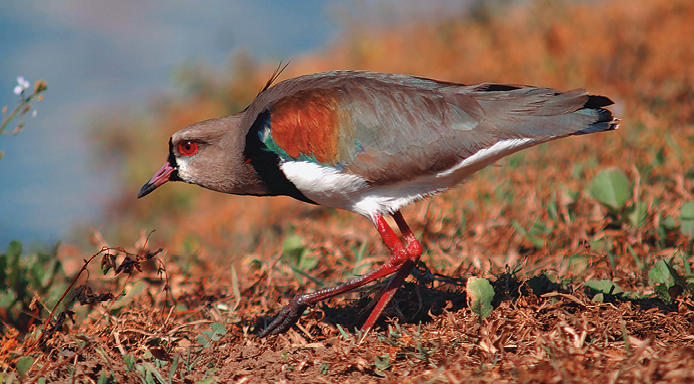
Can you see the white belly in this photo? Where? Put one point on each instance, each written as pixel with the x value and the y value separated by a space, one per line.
pixel 333 188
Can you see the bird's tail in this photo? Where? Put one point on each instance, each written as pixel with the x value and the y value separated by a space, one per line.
pixel 542 113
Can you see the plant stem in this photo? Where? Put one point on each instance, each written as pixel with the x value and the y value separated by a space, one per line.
pixel 5 122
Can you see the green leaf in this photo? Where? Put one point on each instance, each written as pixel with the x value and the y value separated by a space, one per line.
pixel 519 228
pixel 172 370
pixel 16 275
pixel 553 211
pixel 293 250
pixel 308 263
pixel 606 287
pixel 663 292
pixel 382 362
pixel 345 335
pixel 358 269
pixel 129 363
pixel 668 284
pixel 687 219
pixel 611 189
pixel 149 379
pixel 24 364
pixel 579 262
pixel 533 236
pixel 637 259
pixel 154 372
pixel 687 267
pixel 43 258
pixel 202 340
pixel 669 222
pixel 219 329
pixel 7 298
pixel 638 215
pixel 299 274
pixel 103 377
pixel 479 295
pixel 14 250
pixel 661 273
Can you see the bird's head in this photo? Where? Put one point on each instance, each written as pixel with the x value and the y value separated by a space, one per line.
pixel 210 154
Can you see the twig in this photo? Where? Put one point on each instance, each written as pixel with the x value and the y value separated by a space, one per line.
pixel 564 295
pixel 74 280
pixel 118 343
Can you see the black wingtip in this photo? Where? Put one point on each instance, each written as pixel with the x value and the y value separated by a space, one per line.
pixel 596 101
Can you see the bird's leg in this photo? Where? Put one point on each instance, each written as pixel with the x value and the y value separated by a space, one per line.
pixel 414 248
pixel 414 252
pixel 402 260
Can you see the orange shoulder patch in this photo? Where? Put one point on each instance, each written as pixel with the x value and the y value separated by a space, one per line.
pixel 307 123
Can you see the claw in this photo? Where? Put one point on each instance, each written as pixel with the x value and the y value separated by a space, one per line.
pixel 286 318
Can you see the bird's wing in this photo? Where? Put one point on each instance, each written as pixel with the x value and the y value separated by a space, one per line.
pixel 392 128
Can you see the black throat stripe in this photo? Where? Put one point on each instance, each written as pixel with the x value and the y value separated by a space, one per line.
pixel 267 163
pixel 172 163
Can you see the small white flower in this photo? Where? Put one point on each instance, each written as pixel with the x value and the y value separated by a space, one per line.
pixel 22 84
pixel 34 113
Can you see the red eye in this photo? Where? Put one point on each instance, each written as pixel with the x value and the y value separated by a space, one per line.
pixel 188 148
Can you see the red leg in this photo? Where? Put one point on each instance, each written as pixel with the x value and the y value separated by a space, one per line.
pixel 414 248
pixel 414 252
pixel 402 260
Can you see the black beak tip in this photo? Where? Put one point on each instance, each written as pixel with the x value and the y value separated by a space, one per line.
pixel 146 190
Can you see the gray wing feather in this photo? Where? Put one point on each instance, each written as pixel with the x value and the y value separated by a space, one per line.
pixel 408 126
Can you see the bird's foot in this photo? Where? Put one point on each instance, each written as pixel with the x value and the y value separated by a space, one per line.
pixel 286 318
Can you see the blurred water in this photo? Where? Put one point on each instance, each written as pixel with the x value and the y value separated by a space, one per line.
pixel 99 54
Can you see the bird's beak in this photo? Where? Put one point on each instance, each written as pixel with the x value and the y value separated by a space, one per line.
pixel 159 178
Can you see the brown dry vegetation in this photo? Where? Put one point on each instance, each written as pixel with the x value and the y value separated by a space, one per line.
pixel 635 51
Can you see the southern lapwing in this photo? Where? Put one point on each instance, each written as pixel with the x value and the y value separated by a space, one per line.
pixel 371 143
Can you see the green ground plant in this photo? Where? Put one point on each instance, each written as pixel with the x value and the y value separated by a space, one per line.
pixel 29 284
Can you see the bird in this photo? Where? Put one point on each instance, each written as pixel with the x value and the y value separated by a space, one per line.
pixel 371 143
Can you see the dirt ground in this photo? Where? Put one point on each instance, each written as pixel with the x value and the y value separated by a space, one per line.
pixel 542 329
